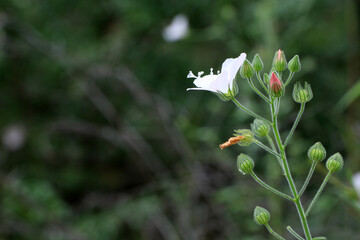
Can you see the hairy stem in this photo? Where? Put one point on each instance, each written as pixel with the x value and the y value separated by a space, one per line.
pixel 257 91
pixel 318 193
pixel 266 148
pixel 295 234
pixel 272 232
pixel 288 176
pixel 289 78
pixel 312 169
pixel 302 108
pixel 274 149
pixel 237 103
pixel 261 82
pixel 262 183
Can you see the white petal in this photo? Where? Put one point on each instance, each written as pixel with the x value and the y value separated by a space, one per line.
pixel 221 82
pixel 232 66
pixel 204 83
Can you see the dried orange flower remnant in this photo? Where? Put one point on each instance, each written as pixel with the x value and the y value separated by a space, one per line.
pixel 231 141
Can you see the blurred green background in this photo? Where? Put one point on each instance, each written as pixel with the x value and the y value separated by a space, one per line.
pixel 100 140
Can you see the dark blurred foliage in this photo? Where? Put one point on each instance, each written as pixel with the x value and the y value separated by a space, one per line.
pixel 101 140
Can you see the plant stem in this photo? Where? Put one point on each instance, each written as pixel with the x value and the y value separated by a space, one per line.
pixel 237 103
pixel 312 169
pixel 288 176
pixel 302 108
pixel 272 232
pixel 257 91
pixel 318 193
pixel 262 183
pixel 295 234
pixel 261 82
pixel 289 78
pixel 266 148
pixel 274 149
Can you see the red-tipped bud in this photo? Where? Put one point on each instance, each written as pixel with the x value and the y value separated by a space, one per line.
pixel 279 62
pixel 276 86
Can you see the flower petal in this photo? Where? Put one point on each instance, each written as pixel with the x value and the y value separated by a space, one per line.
pixel 204 83
pixel 221 83
pixel 232 66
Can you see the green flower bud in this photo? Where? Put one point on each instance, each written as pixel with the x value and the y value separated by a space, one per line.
pixel 260 128
pixel 302 95
pixel 294 64
pixel 279 62
pixel 335 163
pixel 266 79
pixel 261 215
pixel 317 152
pixel 245 164
pixel 248 136
pixel 246 70
pixel 257 63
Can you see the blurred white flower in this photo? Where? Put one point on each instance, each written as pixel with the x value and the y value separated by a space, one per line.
pixel 356 182
pixel 13 137
pixel 222 81
pixel 177 29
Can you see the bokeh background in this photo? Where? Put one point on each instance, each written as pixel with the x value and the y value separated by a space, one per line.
pixel 100 140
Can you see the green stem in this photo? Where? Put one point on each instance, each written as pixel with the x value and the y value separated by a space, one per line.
pixel 318 193
pixel 262 183
pixel 312 169
pixel 257 91
pixel 289 78
pixel 266 148
pixel 288 176
pixel 302 108
pixel 274 149
pixel 295 234
pixel 272 232
pixel 261 82
pixel 237 103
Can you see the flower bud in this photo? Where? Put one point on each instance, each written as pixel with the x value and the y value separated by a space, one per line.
pixel 261 215
pixel 335 163
pixel 317 152
pixel 260 128
pixel 294 64
pixel 257 63
pixel 245 164
pixel 246 70
pixel 248 136
pixel 279 62
pixel 302 95
pixel 266 78
pixel 276 86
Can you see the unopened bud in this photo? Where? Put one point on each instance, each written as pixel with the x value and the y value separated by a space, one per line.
pixel 279 62
pixel 276 86
pixel 294 64
pixel 257 63
pixel 266 78
pixel 335 163
pixel 260 128
pixel 248 136
pixel 317 152
pixel 245 164
pixel 246 70
pixel 261 215
pixel 302 95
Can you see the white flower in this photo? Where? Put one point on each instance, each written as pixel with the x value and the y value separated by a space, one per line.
pixel 177 29
pixel 356 182
pixel 221 82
